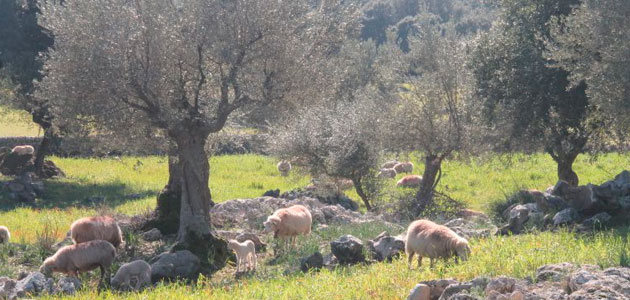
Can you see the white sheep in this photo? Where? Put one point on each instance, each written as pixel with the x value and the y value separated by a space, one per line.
pixel 404 167
pixel 96 228
pixel 74 259
pixel 245 255
pixel 389 165
pixel 5 235
pixel 284 167
pixel 287 223
pixel 410 181
pixel 429 239
pixel 137 270
pixel 387 173
pixel 23 150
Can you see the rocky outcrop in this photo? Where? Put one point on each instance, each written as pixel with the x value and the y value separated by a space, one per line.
pixel 348 250
pixel 172 266
pixel 386 247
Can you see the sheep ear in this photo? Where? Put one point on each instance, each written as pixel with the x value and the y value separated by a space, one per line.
pixel 274 219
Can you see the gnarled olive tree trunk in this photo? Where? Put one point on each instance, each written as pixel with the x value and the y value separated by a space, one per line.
pixel 565 168
pixel 356 181
pixel 430 178
pixel 195 232
pixel 168 200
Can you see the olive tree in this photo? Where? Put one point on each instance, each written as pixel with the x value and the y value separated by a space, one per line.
pixel 432 113
pixel 180 66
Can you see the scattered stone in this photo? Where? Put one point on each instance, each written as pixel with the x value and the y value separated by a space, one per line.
pixel 171 266
pixel 152 235
pixel 598 220
pixel 438 286
pixel 554 272
pixel 31 285
pixel 7 288
pixel 476 226
pixel 455 289
pixel 272 193
pixel 348 250
pixel 517 216
pixel 501 284
pixel 564 217
pixel 15 164
pixel 313 262
pixel 551 203
pixel 462 296
pixel 330 261
pixel 420 292
pixel 386 247
pixel 68 285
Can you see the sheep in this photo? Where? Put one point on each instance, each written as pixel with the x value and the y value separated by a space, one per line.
pixel 404 167
pixel 410 181
pixel 387 173
pixel 389 165
pixel 23 150
pixel 5 235
pixel 343 184
pixel 84 257
pixel 245 254
pixel 284 167
pixel 287 223
pixel 429 239
pixel 137 270
pixel 96 228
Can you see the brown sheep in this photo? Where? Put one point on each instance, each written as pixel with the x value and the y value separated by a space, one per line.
pixel 404 167
pixel 96 228
pixel 137 270
pixel 23 150
pixel 5 235
pixel 410 181
pixel 429 239
pixel 74 259
pixel 287 223
pixel 284 167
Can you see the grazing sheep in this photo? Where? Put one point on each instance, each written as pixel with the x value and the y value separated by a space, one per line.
pixel 284 167
pixel 96 228
pixel 287 223
pixel 245 254
pixel 137 270
pixel 5 235
pixel 23 150
pixel 410 181
pixel 404 167
pixel 84 257
pixel 387 173
pixel 389 165
pixel 426 238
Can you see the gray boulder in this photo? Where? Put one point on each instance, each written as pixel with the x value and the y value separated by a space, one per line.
pixel 554 272
pixel 32 285
pixel 348 250
pixel 501 284
pixel 68 285
pixel 7 288
pixel 172 266
pixel 517 217
pixel 473 227
pixel 455 289
pixel 152 235
pixel 564 217
pixel 313 262
pixel 438 286
pixel 598 220
pixel 420 292
pixel 551 203
pixel 386 247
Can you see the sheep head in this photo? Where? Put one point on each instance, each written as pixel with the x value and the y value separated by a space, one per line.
pixel 462 249
pixel 47 267
pixel 233 245
pixel 271 225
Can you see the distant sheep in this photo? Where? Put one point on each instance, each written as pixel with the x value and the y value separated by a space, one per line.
pixel 404 167
pixel 287 223
pixel 245 255
pixel 23 150
pixel 5 235
pixel 428 239
pixel 137 270
pixel 74 259
pixel 387 173
pixel 284 167
pixel 344 184
pixel 96 228
pixel 389 165
pixel 410 181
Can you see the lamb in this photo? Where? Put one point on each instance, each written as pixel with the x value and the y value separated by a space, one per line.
pixel 284 167
pixel 137 270
pixel 387 173
pixel 429 239
pixel 23 150
pixel 410 181
pixel 84 257
pixel 245 254
pixel 404 167
pixel 389 165
pixel 287 223
pixel 96 228
pixel 5 235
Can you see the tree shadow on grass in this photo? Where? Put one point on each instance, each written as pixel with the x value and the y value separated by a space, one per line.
pixel 60 194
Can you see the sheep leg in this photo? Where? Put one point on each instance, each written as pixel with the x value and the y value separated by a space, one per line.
pixel 238 264
pixel 431 262
pixel 410 259
pixel 419 261
pixel 138 283
pixel 255 261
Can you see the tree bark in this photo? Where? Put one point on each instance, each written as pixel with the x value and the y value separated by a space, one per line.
pixel 359 188
pixel 565 169
pixel 424 197
pixel 195 233
pixel 49 139
pixel 169 199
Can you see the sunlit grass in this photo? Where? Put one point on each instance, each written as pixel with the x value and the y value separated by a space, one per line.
pixel 17 123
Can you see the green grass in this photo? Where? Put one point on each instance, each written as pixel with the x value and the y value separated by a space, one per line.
pixel 17 123
pixel 476 182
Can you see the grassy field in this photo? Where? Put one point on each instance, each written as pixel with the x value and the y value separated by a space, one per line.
pixel 130 184
pixel 17 123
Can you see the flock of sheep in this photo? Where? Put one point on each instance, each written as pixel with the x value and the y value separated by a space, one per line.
pixel 97 238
